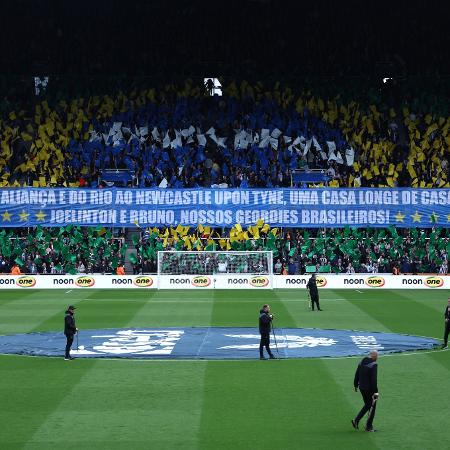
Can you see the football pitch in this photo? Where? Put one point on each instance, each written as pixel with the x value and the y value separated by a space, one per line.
pixel 48 403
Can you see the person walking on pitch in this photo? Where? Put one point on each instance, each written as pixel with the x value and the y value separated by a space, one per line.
pixel 366 380
pixel 69 330
pixel 447 324
pixel 313 292
pixel 265 323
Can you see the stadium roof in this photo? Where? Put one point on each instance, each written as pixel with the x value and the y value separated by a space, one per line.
pixel 235 36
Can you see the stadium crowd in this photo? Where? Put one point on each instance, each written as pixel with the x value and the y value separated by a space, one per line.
pixel 62 250
pixel 255 135
pixel 296 251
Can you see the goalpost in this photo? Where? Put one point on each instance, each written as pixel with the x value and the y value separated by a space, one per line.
pixel 215 269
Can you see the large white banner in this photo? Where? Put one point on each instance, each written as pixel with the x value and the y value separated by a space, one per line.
pixel 357 281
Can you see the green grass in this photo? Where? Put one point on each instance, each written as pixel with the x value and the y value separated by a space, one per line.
pixel 46 403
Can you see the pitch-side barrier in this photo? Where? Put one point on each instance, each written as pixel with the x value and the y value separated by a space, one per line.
pixel 223 281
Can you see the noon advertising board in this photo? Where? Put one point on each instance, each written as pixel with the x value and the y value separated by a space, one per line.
pixel 356 281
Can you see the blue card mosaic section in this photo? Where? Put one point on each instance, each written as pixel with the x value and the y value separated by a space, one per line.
pixel 212 343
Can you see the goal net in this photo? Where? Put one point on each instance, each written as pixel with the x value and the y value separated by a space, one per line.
pixel 176 263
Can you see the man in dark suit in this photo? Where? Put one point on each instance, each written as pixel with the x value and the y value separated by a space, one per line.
pixel 265 323
pixel 447 324
pixel 366 380
pixel 313 292
pixel 69 330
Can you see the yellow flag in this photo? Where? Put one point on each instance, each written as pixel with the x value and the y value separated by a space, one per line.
pixel 274 231
pixel 200 228
pixel 238 227
pixel 187 242
pixel 260 223
pixel 265 228
pixel 411 171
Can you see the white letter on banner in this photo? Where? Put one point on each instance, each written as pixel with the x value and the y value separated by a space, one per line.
pixel 406 197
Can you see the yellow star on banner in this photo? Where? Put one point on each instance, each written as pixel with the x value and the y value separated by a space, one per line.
pixel 434 217
pixel 23 216
pixel 416 217
pixel 40 216
pixel 6 216
pixel 399 217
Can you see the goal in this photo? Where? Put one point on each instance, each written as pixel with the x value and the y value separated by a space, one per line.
pixel 216 264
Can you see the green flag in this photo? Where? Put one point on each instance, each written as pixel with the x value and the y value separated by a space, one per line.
pixel 132 258
pixel 39 232
pixel 114 262
pixel 71 270
pixel 292 251
pixel 393 231
pixel 346 231
pixel 77 237
pixel 19 261
pixel 57 247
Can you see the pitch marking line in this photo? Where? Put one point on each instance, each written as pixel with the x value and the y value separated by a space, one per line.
pixel 70 290
pixel 247 360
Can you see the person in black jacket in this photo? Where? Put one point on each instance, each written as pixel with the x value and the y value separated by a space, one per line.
pixel 69 330
pixel 265 322
pixel 313 292
pixel 366 380
pixel 447 324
